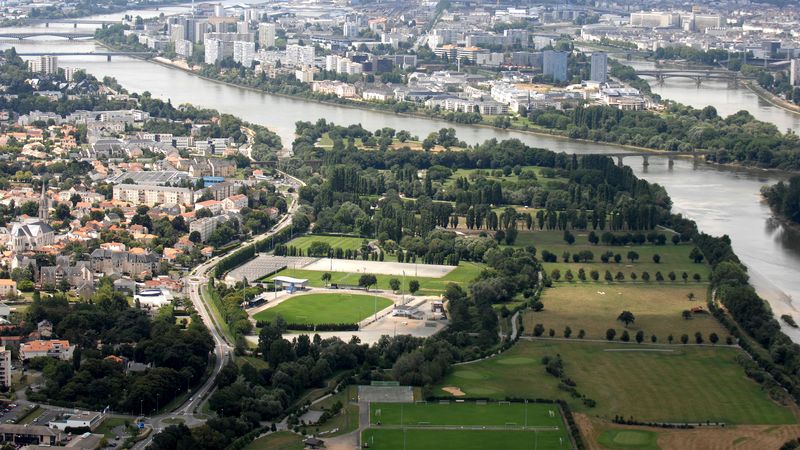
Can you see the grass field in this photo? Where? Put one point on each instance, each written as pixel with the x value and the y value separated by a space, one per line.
pixel 625 439
pixel 674 258
pixel 421 439
pixel 325 308
pixel 282 440
pixel 677 384
pixel 463 274
pixel 594 308
pixel 466 414
pixel 343 242
pixel 346 421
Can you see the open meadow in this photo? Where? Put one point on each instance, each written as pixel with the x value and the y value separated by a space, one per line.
pixel 649 383
pixel 343 242
pixel 595 308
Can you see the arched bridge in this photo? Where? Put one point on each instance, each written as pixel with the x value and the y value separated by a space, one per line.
pixel 697 75
pixel 697 155
pixel 65 35
pixel 108 55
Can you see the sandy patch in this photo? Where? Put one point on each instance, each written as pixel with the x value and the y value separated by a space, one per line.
pixel 454 391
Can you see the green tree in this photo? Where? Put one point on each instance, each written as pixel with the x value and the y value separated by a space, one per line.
pixel 413 286
pixel 626 317
pixel 367 280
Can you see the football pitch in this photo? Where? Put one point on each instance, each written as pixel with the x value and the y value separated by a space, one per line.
pixel 467 425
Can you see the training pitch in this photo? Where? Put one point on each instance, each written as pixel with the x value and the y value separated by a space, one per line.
pixel 315 309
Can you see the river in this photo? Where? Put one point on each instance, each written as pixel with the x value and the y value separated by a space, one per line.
pixel 721 200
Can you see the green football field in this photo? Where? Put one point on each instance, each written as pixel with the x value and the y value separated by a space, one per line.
pixel 421 439
pixel 467 414
pixel 315 309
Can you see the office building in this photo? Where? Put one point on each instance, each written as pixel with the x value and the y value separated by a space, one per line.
pixel 599 72
pixel 266 35
pixel 554 64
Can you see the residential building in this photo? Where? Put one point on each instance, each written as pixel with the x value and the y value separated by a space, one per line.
pixel 299 55
pixel 233 203
pixel 153 195
pixel 554 64
pixel 337 88
pixel 79 275
pixel 8 288
pixel 136 262
pixel 217 50
pixel 184 48
pixel 5 366
pixel 46 64
pixel 244 52
pixel 206 226
pixel 54 348
pixel 266 35
pixel 599 70
pixel 794 72
pixel 306 74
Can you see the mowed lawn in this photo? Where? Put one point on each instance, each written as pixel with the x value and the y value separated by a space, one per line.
pixel 468 414
pixel 343 242
pixel 463 275
pixel 672 384
pixel 594 308
pixel 421 439
pixel 282 440
pixel 315 309
pixel 674 258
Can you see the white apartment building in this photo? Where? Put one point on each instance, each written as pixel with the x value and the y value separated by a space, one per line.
pixel 153 195
pixel 206 226
pixel 184 48
pixel 45 64
pixel 5 366
pixel 337 88
pixel 300 55
pixel 244 52
pixel 266 35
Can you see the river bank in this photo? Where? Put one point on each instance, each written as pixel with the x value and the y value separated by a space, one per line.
pixel 773 99
pixel 539 131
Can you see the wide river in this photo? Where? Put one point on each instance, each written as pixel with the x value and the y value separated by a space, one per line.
pixel 721 200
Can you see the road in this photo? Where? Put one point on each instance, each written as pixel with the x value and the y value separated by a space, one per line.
pixel 223 350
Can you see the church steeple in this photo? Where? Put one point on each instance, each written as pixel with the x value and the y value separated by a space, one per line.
pixel 44 205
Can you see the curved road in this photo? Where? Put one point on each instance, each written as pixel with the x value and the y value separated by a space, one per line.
pixel 223 350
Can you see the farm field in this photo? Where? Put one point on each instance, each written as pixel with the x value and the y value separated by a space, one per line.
pixel 649 383
pixel 315 309
pixel 343 242
pixel 470 413
pixel 422 439
pixel 624 438
pixel 463 274
pixel 594 308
